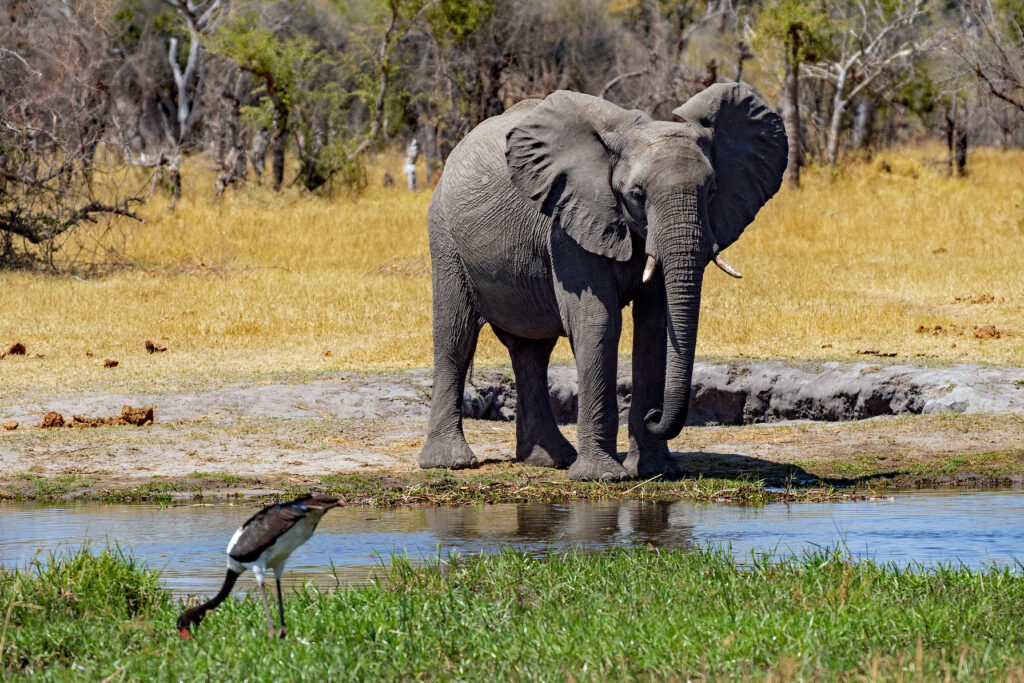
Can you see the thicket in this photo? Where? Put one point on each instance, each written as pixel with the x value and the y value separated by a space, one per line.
pixel 94 90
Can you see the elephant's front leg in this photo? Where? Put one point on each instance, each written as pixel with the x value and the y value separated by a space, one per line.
pixel 648 455
pixel 594 328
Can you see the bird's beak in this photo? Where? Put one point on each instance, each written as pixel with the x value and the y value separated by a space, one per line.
pixel 185 635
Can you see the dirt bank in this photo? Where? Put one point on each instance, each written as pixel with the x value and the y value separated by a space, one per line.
pixel 266 438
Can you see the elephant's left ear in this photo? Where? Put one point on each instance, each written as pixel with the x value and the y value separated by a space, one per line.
pixel 748 152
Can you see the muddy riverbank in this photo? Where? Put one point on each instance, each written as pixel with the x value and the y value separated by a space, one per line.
pixel 922 426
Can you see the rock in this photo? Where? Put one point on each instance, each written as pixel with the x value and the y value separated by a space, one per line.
pixel 11 426
pixel 563 397
pixel 772 391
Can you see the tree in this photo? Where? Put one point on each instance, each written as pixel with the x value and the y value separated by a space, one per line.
pixel 873 39
pixel 803 32
pixel 993 48
pixel 57 75
pixel 665 29
pixel 285 70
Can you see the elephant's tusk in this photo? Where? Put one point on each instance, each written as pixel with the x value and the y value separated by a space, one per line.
pixel 649 268
pixel 724 265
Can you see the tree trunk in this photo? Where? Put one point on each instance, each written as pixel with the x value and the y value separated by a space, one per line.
pixel 412 152
pixel 863 123
pixel 956 143
pixel 174 170
pixel 277 149
pixel 258 152
pixel 832 144
pixel 791 117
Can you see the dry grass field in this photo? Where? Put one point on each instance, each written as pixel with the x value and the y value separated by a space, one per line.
pixel 885 257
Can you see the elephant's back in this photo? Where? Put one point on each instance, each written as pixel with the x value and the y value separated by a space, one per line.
pixel 502 239
pixel 478 161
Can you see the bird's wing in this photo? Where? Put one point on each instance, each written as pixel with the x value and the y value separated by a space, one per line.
pixel 264 528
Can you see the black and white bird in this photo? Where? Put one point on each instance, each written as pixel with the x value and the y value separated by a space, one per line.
pixel 264 542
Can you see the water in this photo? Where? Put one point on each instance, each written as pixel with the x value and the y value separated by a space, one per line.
pixel 186 542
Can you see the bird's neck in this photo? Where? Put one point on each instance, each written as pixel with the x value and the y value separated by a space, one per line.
pixel 222 594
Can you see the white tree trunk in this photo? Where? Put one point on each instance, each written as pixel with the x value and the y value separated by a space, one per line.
pixel 412 152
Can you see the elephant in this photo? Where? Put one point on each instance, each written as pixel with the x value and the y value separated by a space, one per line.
pixel 551 217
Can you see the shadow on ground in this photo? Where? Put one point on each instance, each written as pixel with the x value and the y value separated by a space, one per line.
pixel 735 466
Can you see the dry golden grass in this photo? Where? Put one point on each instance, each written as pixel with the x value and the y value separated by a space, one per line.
pixel 260 284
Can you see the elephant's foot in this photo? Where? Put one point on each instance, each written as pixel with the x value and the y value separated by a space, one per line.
pixel 597 468
pixel 649 456
pixel 558 454
pixel 455 455
pixel 646 464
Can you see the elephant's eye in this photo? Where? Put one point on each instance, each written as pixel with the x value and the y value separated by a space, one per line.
pixel 637 194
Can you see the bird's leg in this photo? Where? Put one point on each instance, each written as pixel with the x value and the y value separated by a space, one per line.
pixel 266 609
pixel 280 603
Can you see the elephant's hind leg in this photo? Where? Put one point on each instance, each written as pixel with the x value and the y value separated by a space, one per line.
pixel 456 328
pixel 538 439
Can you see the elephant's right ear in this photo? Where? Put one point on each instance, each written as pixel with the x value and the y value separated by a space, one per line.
pixel 557 157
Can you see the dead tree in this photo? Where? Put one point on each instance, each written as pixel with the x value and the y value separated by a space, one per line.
pixel 993 51
pixel 57 79
pixel 200 18
pixel 956 141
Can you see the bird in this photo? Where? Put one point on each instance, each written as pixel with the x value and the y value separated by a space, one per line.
pixel 264 542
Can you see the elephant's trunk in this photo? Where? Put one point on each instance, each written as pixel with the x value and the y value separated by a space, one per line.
pixel 682 254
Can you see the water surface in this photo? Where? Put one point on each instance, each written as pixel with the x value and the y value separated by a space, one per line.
pixel 186 542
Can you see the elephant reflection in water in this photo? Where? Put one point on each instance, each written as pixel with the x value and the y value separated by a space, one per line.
pixel 598 524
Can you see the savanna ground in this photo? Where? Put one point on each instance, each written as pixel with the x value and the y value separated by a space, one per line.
pixel 886 256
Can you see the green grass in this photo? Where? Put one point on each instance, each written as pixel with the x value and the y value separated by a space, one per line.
pixel 434 487
pixel 625 614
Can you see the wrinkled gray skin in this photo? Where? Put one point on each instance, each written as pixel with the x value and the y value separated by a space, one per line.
pixel 541 226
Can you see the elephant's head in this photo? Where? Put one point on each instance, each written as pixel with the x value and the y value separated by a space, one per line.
pixel 687 189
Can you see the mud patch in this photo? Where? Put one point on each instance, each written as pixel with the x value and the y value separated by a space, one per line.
pixel 51 420
pixel 15 349
pixel 138 417
pixel 987 332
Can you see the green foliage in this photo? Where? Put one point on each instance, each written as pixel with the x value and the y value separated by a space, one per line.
pixel 617 615
pixel 801 27
pixel 918 93
pixel 1011 14
pixel 284 66
pixel 132 20
pixel 453 22
pixel 302 94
